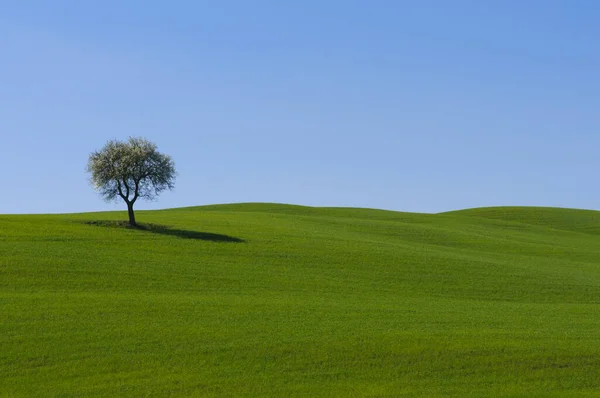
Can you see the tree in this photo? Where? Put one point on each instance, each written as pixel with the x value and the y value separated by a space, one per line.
pixel 131 170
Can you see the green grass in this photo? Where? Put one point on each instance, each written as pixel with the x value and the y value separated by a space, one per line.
pixel 280 300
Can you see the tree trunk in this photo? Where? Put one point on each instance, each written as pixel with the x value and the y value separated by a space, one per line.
pixel 131 215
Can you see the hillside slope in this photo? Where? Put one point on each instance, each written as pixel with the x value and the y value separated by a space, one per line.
pixel 585 221
pixel 281 300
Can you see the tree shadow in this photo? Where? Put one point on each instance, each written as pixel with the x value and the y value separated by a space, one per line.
pixel 164 230
pixel 187 234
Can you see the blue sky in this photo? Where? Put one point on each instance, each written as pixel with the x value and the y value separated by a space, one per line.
pixel 406 105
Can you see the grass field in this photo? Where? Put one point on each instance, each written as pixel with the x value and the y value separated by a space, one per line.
pixel 279 300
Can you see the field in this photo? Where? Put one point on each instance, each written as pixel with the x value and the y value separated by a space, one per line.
pixel 285 301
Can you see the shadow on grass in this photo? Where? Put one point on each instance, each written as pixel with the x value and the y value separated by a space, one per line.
pixel 164 230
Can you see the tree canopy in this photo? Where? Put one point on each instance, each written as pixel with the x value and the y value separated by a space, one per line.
pixel 131 170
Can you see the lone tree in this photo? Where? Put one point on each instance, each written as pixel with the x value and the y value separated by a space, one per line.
pixel 131 170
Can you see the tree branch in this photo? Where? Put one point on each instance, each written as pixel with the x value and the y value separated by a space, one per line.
pixel 125 198
pixel 136 192
pixel 126 188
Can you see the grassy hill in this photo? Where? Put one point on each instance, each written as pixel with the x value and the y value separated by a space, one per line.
pixel 280 300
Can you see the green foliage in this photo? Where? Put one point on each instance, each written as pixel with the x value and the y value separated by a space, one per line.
pixel 131 170
pixel 277 300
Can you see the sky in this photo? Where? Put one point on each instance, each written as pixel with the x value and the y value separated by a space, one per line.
pixel 420 106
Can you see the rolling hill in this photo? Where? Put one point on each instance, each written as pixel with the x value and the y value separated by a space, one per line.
pixel 263 299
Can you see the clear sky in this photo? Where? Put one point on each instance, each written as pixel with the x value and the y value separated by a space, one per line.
pixel 406 105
